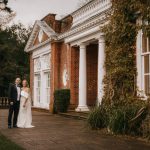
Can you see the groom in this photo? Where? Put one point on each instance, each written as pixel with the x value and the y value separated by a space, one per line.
pixel 14 100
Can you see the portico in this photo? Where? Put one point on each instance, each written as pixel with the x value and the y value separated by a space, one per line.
pixel 83 72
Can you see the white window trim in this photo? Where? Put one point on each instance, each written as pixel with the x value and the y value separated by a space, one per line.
pixel 142 54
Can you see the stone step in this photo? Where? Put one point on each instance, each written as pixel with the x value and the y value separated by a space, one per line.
pixel 40 109
pixel 75 115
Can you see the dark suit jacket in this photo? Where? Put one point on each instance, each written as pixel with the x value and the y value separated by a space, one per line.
pixel 12 93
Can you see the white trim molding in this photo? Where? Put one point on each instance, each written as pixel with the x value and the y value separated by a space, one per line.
pixel 40 25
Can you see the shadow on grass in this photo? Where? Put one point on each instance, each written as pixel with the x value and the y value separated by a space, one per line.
pixel 6 144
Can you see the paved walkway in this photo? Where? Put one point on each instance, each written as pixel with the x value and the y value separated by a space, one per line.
pixel 53 132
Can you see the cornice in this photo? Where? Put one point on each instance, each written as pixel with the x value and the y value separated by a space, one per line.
pixel 96 20
pixel 90 9
pixel 40 45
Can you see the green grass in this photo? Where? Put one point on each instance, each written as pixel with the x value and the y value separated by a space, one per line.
pixel 6 144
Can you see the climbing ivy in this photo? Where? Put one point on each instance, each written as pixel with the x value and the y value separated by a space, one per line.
pixel 120 36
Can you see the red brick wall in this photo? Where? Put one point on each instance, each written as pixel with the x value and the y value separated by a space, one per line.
pixel 92 73
pixel 64 64
pixel 54 70
pixel 74 75
pixel 60 60
pixel 44 38
pixel 31 75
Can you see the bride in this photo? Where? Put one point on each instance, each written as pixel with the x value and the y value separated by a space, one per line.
pixel 25 114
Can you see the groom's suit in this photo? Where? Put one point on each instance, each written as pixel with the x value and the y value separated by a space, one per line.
pixel 14 96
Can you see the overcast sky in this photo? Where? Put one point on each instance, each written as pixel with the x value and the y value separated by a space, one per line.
pixel 27 11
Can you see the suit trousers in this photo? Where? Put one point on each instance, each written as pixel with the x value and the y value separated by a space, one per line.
pixel 13 112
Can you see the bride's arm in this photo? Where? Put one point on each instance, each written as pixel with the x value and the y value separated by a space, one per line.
pixel 28 91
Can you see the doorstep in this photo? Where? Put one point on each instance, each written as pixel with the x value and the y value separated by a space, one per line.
pixel 40 109
pixel 75 115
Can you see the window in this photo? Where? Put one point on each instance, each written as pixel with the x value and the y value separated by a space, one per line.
pixel 38 85
pixel 146 63
pixel 48 87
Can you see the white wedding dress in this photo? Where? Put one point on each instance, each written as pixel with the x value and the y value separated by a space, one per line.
pixel 25 114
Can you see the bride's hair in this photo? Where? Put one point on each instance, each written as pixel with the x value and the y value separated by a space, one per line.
pixel 27 84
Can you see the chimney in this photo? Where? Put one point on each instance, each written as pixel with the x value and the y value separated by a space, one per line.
pixel 50 20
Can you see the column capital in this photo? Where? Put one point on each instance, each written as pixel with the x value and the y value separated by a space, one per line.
pixel 82 45
pixel 101 39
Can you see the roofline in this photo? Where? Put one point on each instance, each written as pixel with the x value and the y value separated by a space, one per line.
pixel 82 6
pixel 69 13
pixel 74 10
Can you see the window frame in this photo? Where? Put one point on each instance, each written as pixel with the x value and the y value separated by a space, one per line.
pixel 38 88
pixel 47 87
pixel 143 55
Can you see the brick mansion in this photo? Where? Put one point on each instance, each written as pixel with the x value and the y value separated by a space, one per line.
pixel 70 53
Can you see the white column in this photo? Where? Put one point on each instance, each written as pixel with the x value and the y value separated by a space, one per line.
pixel 82 106
pixel 101 69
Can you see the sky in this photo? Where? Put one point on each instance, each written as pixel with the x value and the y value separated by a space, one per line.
pixel 27 11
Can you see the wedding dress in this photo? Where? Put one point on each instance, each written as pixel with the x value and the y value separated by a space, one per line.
pixel 25 114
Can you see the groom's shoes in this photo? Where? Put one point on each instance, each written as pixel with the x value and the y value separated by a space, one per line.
pixel 9 127
pixel 15 126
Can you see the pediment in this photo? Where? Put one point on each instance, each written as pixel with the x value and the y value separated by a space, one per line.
pixel 40 37
pixel 41 33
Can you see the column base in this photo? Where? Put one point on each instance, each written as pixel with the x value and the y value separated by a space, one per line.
pixel 82 108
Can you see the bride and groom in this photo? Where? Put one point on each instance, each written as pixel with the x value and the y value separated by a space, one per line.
pixel 20 105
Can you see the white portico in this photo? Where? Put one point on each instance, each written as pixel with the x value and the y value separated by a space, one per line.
pixel 82 104
pixel 98 40
pixel 86 30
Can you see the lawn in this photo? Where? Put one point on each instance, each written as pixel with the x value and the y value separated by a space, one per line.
pixel 6 144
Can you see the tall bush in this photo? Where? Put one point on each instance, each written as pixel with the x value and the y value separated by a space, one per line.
pixel 98 118
pixel 120 119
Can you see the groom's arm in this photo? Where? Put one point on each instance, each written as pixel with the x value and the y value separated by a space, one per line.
pixel 10 93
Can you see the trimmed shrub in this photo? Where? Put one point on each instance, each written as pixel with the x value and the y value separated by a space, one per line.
pixel 61 100
pixel 98 118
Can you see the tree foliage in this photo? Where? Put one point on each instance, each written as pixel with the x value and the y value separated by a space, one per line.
pixel 13 60
pixel 120 36
pixel 7 8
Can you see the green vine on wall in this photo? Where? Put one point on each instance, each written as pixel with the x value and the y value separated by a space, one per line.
pixel 120 37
